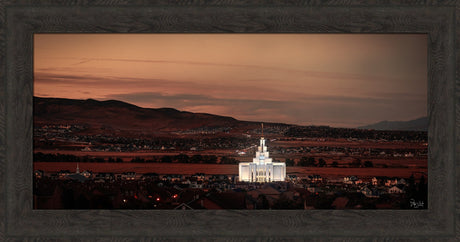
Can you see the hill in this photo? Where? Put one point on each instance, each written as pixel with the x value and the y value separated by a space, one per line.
pixel 420 124
pixel 113 114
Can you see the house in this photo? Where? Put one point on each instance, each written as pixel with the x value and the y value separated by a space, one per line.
pixel 63 173
pixel 391 182
pixel 340 203
pixel 87 174
pixel 292 177
pixel 130 175
pixel 172 178
pixel 105 176
pixel 401 181
pixel 370 192
pixel 226 200
pixel 374 181
pixel 396 189
pixel 313 189
pixel 272 194
pixel 199 176
pixel 152 176
pixel 196 184
pixel 315 178
pixel 350 179
pixel 220 178
pixel 38 173
pixel 186 181
pixel 183 206
pixel 205 203
pixel 77 177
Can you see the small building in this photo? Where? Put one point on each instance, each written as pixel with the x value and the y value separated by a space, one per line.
pixel 183 206
pixel 391 182
pixel 199 176
pixel 350 179
pixel 396 189
pixel 196 184
pixel 63 174
pixel 87 174
pixel 152 176
pixel 130 175
pixel 292 177
pixel 340 203
pixel 38 173
pixel 374 181
pixel 401 181
pixel 370 192
pixel 172 178
pixel 315 178
pixel 105 176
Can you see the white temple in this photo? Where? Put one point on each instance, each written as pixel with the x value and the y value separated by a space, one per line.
pixel 262 169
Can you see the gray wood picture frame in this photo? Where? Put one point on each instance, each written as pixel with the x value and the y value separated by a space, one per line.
pixel 19 20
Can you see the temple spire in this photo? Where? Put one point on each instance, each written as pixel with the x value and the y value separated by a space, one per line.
pixel 262 129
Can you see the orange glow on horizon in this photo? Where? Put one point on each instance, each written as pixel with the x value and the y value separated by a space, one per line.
pixel 344 80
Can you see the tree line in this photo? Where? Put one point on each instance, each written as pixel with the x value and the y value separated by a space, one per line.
pixel 312 162
pixel 180 158
pixel 194 159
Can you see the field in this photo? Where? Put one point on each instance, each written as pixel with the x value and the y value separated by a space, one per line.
pixel 383 165
pixel 365 144
pixel 187 169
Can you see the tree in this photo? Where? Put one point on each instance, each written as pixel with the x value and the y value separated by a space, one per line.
pixel 307 161
pixel 137 160
pixel 356 163
pixel 182 158
pixel 422 192
pixel 210 159
pixel 262 202
pixel 166 159
pixel 290 162
pixel 284 203
pixel 411 189
pixel 368 164
pixel 196 159
pixel 99 160
pixel 228 160
pixel 321 162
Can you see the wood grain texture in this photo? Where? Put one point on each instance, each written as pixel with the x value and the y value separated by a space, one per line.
pixel 19 20
pixel 457 123
pixel 251 3
pixel 3 141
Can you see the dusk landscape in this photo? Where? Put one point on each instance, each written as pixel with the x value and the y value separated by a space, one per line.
pixel 171 121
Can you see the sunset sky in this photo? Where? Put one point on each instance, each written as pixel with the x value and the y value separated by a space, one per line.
pixel 341 80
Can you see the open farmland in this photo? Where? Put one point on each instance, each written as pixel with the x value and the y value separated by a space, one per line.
pixel 365 144
pixel 187 169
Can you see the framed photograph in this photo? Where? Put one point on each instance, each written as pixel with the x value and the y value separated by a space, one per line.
pixel 282 136
pixel 221 121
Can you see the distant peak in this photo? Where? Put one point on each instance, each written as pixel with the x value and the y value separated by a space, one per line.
pixel 419 124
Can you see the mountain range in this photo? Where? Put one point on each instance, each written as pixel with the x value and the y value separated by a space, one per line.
pixel 118 115
pixel 420 124
pixel 113 114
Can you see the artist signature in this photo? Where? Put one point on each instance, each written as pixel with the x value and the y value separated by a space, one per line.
pixel 416 204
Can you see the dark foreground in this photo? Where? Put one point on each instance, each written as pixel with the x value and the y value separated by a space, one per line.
pixel 200 191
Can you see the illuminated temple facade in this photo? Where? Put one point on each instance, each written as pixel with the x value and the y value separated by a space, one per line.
pixel 262 169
